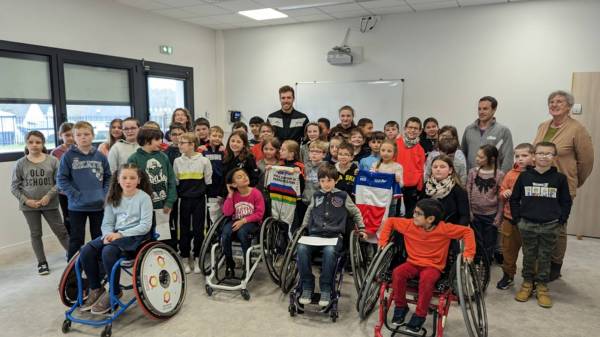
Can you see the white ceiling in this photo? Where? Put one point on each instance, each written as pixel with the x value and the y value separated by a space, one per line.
pixel 222 14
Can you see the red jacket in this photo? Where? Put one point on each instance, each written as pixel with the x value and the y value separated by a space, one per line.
pixel 413 163
pixel 256 150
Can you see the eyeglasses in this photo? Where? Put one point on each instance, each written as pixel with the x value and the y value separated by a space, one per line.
pixel 176 134
pixel 130 129
pixel 186 142
pixel 315 151
pixel 545 154
pixel 418 213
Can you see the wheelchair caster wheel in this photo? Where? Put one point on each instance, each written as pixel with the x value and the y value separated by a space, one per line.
pixel 245 294
pixel 107 332
pixel 209 290
pixel 292 310
pixel 334 316
pixel 66 326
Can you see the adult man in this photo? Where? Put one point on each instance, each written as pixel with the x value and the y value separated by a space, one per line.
pixel 287 122
pixel 485 130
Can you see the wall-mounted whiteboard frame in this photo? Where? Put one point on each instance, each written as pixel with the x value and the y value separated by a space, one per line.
pixel 380 99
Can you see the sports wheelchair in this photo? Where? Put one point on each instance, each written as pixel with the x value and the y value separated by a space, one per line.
pixel 459 282
pixel 212 252
pixel 158 284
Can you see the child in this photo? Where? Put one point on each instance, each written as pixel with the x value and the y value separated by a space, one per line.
pixel 183 117
pixel 317 149
pixel 201 129
pixel 386 164
pixel 326 216
pixel 510 235
pixel 366 126
pixel 334 144
pixel 288 156
pixel 194 173
pixel 246 206
pixel 152 161
pixel 540 204
pixel 265 131
pixel 239 126
pixel 346 114
pixel 347 169
pixel 237 155
pixel 121 150
pixel 84 176
pixel 175 131
pixel 375 141
pixel 312 132
pixel 427 241
pixel 391 130
pixel 357 139
pixel 126 224
pixel 255 123
pixel 34 185
pixel 429 136
pixel 325 126
pixel 215 153
pixel 445 186
pixel 65 132
pixel 270 149
pixel 412 158
pixel 450 147
pixel 483 186
pixel 115 134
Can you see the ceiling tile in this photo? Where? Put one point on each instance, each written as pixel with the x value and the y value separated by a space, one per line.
pixel 204 21
pixel 316 17
pixel 221 26
pixel 302 12
pixel 143 4
pixel 206 10
pixel 289 3
pixel 231 18
pixel 175 13
pixel 383 3
pixel 480 2
pixel 341 8
pixel 350 14
pixel 391 10
pixel 180 3
pixel 239 5
pixel 421 6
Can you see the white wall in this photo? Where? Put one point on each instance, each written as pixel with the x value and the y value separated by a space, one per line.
pixel 103 27
pixel 518 53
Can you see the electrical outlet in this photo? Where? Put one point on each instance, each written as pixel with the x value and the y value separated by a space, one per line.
pixel 577 109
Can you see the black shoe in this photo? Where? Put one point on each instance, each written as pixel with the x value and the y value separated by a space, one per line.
pixel 229 268
pixel 416 323
pixel 505 282
pixel 399 315
pixel 499 258
pixel 554 271
pixel 43 268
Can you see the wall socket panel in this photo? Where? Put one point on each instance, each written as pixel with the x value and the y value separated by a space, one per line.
pixel 577 109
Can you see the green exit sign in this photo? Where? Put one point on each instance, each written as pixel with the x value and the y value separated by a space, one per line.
pixel 166 50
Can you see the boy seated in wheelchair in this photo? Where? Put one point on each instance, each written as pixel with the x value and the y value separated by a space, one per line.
pixel 325 217
pixel 126 224
pixel 427 241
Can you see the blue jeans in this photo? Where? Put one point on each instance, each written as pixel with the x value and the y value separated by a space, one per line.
pixel 330 255
pixel 244 234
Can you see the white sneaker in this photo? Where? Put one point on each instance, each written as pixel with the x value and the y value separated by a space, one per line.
pixel 186 266
pixel 196 266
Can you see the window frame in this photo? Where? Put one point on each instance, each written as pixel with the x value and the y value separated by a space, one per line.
pixel 138 71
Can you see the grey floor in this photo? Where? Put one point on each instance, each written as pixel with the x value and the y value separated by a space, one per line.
pixel 31 307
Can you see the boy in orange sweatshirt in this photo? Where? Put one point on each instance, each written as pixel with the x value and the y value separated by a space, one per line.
pixel 511 237
pixel 412 158
pixel 427 241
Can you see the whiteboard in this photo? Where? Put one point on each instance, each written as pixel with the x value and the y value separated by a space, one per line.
pixel 380 100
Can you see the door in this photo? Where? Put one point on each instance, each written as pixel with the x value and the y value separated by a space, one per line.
pixel 584 214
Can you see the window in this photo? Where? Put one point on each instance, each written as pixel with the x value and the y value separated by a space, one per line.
pixel 97 95
pixel 25 100
pixel 164 96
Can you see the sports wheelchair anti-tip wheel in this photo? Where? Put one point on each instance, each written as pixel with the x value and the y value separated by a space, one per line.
pixel 471 299
pixel 369 292
pixel 159 281
pixel 274 241
pixel 212 236
pixel 66 326
pixel 245 294
pixel 289 271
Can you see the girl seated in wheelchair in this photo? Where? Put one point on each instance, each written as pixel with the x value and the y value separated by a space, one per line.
pixel 126 224
pixel 427 241
pixel 246 207
pixel 326 217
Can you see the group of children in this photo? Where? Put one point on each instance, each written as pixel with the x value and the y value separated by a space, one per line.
pixel 180 170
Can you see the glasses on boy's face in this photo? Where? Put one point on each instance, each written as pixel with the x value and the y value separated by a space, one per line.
pixel 545 154
pixel 186 142
pixel 177 134
pixel 315 151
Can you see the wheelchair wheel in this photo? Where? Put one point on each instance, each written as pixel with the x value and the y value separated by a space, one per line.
pixel 213 236
pixel 482 265
pixel 289 271
pixel 67 287
pixel 159 281
pixel 369 292
pixel 470 297
pixel 273 241
pixel 361 253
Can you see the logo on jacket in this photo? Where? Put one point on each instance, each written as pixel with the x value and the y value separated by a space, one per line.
pixel 337 202
pixel 158 179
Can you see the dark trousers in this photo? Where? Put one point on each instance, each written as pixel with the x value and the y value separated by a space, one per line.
pixel 191 225
pixel 78 220
pixel 486 234
pixel 64 207
pixel 244 234
pixel 428 276
pixel 304 255
pixel 174 225
pixel 538 243
pixel 410 196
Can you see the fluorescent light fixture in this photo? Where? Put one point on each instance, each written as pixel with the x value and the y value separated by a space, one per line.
pixel 263 14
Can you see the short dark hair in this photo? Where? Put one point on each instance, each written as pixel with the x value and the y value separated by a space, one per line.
pixel 147 135
pixel 491 100
pixel 413 120
pixel 448 145
pixel 431 207
pixel 132 119
pixel 325 121
pixel 377 135
pixel 451 129
pixel 347 107
pixel 525 146
pixel 256 120
pixel 364 121
pixel 201 121
pixel 327 170
pixel 177 126
pixel 266 125
pixel 392 123
pixel 346 146
pixel 238 125
pixel 65 127
pixel 287 88
pixel 546 144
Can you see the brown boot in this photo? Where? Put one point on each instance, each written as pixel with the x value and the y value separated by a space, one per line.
pixel 543 296
pixel 525 292
pixel 93 297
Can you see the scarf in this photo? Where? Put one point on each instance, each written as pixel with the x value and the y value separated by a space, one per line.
pixel 439 189
pixel 409 143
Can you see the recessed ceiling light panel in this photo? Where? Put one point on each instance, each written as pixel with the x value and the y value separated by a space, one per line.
pixel 263 14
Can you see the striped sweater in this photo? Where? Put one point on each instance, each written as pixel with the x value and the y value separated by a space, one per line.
pixel 193 174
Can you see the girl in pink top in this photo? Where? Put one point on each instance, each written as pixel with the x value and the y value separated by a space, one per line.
pixel 246 207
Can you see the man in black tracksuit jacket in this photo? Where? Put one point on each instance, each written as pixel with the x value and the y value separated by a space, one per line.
pixel 287 122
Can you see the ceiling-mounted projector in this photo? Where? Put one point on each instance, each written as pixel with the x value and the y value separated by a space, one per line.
pixel 341 55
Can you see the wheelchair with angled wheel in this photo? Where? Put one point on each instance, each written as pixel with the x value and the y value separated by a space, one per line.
pixel 158 284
